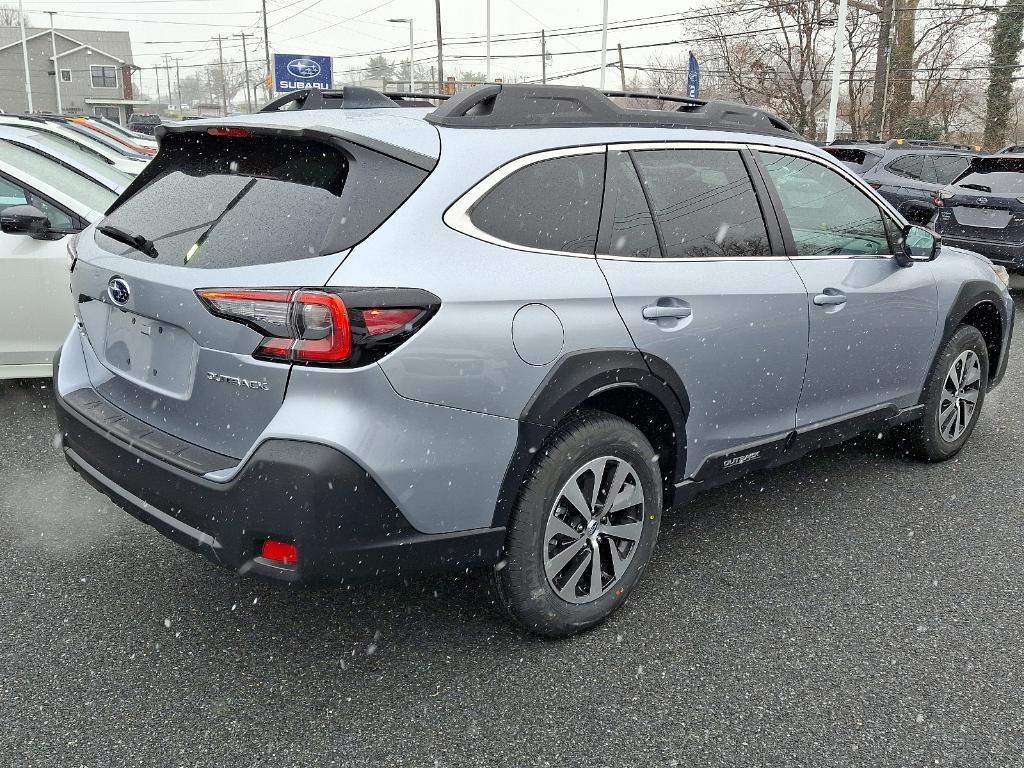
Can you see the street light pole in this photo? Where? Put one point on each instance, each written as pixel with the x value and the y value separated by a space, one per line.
pixel 604 43
pixel 223 85
pixel 177 78
pixel 412 68
pixel 488 41
pixel 56 69
pixel 837 66
pixel 24 55
pixel 266 52
pixel 245 63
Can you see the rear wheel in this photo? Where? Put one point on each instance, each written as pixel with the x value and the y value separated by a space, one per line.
pixel 583 528
pixel 954 394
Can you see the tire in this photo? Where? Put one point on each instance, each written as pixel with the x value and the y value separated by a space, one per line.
pixel 937 440
pixel 542 585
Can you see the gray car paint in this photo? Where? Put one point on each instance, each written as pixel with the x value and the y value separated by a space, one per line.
pixel 436 421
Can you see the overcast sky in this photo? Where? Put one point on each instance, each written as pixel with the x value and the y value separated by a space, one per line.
pixel 183 29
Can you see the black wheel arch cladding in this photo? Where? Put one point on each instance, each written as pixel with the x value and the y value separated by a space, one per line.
pixel 590 376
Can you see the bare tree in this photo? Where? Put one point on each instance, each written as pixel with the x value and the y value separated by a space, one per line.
pixel 9 16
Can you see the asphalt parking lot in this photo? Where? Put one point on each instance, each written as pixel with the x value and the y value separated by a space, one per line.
pixel 855 608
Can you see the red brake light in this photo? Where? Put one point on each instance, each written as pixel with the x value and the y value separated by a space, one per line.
pixel 875 185
pixel 381 321
pixel 335 326
pixel 279 552
pixel 233 133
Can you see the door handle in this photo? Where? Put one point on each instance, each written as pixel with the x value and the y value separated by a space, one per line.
pixel 655 311
pixel 829 298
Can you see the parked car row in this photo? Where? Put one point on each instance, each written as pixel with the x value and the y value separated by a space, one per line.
pixel 974 200
pixel 58 175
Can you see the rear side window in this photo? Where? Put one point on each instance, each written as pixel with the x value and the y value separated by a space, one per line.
pixel 948 167
pixel 627 227
pixel 552 205
pixel 704 204
pixel 857 160
pixel 910 166
pixel 216 202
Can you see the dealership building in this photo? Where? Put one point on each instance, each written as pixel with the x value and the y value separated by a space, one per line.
pixel 92 68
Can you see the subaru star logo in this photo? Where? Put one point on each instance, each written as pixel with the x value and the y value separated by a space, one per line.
pixel 118 291
pixel 982 200
pixel 304 68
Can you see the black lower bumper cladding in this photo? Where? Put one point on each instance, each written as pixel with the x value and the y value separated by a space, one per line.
pixel 342 523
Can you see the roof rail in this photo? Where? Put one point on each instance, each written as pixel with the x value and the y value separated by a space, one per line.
pixel 549 106
pixel 925 144
pixel 850 142
pixel 349 97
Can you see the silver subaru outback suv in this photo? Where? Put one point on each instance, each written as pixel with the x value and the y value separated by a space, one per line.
pixel 356 335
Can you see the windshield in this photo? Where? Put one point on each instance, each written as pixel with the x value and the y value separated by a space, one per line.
pixel 36 166
pixel 87 159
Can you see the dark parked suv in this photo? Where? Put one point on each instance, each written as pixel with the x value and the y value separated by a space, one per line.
pixel 903 170
pixel 355 338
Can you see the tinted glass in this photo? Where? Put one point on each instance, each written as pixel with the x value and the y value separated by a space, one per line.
pixel 704 204
pixel 995 176
pixel 828 215
pixel 630 228
pixel 552 205
pixel 72 183
pixel 948 167
pixel 11 194
pixel 911 166
pixel 857 160
pixel 229 202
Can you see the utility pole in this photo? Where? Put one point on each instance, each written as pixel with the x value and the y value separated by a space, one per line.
pixel 167 72
pixel 177 78
pixel 837 65
pixel 543 59
pixel 156 76
pixel 604 43
pixel 488 78
pixel 622 68
pixel 440 62
pixel 266 52
pixel 56 69
pixel 223 85
pixel 24 55
pixel 245 63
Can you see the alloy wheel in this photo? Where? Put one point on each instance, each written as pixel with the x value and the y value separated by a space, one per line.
pixel 959 398
pixel 593 529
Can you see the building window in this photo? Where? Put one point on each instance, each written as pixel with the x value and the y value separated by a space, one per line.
pixel 65 75
pixel 103 76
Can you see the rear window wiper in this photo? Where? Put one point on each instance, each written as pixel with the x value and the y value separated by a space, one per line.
pixel 138 242
pixel 979 187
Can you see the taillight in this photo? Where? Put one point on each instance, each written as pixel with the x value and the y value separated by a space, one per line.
pixel 233 133
pixel 875 184
pixel 348 327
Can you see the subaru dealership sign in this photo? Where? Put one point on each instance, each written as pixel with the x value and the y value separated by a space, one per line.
pixel 297 72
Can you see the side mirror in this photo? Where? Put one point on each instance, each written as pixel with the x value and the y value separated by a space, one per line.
pixel 917 244
pixel 25 220
pixel 917 211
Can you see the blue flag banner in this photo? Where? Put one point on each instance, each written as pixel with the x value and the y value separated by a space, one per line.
pixel 693 77
pixel 297 72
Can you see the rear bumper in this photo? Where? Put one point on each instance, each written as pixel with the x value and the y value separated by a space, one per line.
pixel 343 524
pixel 1009 255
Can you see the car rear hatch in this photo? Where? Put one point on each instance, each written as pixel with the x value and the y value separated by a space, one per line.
pixel 259 212
pixel 986 202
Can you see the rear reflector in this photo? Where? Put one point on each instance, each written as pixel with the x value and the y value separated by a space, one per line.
pixel 279 552
pixel 234 133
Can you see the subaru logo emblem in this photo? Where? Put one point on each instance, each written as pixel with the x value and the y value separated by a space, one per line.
pixel 118 291
pixel 982 200
pixel 304 68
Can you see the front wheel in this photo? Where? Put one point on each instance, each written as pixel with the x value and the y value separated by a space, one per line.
pixel 583 528
pixel 953 397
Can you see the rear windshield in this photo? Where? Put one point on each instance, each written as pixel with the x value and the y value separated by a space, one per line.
pixel 995 177
pixel 856 160
pixel 216 202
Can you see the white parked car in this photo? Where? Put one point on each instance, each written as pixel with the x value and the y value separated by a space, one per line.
pixel 43 204
pixel 120 159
